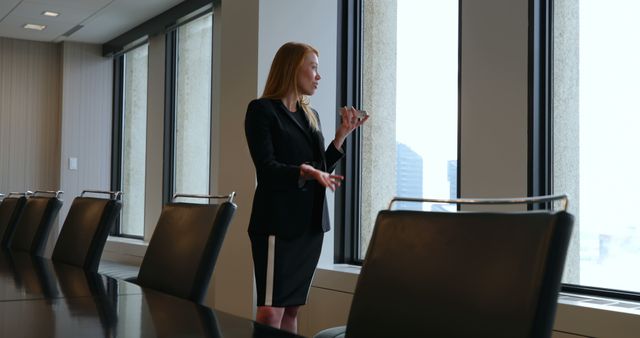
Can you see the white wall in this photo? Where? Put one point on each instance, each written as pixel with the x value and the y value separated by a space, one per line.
pixel 55 103
pixel 29 115
pixel 87 82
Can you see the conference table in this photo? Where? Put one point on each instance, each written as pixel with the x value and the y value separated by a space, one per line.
pixel 41 298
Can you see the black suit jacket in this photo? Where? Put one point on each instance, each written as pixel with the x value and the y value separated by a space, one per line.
pixel 283 205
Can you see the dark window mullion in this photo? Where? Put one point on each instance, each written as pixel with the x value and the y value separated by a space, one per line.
pixel 349 93
pixel 117 130
pixel 540 129
pixel 171 59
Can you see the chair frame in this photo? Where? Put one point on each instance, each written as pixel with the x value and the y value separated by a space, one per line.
pixel 7 236
pixel 204 271
pixel 39 240
pixel 91 260
pixel 541 316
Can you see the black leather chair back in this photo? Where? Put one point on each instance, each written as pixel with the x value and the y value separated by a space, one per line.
pixel 10 211
pixel 32 230
pixel 464 274
pixel 184 247
pixel 85 231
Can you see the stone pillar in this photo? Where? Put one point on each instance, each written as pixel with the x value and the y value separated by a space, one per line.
pixel 379 98
pixel 566 111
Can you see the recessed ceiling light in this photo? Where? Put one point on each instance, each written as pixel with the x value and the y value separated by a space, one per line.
pixel 50 13
pixel 34 26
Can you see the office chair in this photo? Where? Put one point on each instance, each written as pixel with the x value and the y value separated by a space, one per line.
pixel 86 228
pixel 11 208
pixel 184 247
pixel 460 274
pixel 32 230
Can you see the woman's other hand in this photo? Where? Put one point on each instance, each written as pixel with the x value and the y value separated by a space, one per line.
pixel 349 122
pixel 325 179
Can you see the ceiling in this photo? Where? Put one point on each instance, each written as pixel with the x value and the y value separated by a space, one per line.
pixel 100 20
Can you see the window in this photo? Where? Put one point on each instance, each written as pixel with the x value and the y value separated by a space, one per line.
pixel 131 124
pixel 192 108
pixel 410 145
pixel 595 139
pixel 183 165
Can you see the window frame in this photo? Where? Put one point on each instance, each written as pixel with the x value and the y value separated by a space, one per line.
pixel 540 101
pixel 165 23
pixel 349 93
pixel 117 130
pixel 116 134
pixel 541 124
pixel 170 109
pixel 540 127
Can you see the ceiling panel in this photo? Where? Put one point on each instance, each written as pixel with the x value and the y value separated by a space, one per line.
pixel 12 26
pixel 120 17
pixel 103 20
pixel 81 4
pixel 6 6
pixel 34 10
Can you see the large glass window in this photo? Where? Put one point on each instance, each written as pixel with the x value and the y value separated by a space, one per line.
pixel 596 116
pixel 192 120
pixel 410 87
pixel 134 127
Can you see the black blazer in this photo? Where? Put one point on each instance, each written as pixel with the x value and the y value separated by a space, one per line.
pixel 283 205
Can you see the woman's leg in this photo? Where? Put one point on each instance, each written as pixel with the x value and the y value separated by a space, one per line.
pixel 290 319
pixel 269 315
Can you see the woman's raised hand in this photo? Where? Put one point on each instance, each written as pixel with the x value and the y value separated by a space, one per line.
pixel 350 120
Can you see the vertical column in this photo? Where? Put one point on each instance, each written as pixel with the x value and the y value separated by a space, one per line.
pixel 566 161
pixel 155 134
pixel 493 98
pixel 379 97
pixel 233 279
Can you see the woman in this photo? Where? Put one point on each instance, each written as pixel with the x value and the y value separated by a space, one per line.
pixel 293 168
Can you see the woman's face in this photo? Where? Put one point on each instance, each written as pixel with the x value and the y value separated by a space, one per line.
pixel 308 76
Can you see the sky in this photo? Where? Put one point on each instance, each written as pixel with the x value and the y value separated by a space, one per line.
pixel 427 86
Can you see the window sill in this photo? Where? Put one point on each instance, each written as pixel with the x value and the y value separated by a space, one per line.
pixel 596 316
pixel 600 303
pixel 124 249
pixel 337 277
pixel 577 314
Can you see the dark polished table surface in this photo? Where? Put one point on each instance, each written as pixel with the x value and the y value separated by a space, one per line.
pixel 40 298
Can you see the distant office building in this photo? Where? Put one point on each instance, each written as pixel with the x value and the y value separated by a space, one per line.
pixel 452 177
pixel 408 176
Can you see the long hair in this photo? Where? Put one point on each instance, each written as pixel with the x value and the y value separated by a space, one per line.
pixel 283 76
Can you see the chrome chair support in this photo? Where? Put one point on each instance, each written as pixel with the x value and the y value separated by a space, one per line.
pixel 25 194
pixel 56 193
pixel 114 195
pixel 516 200
pixel 228 197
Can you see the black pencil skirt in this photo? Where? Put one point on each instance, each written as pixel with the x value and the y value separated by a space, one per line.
pixel 284 268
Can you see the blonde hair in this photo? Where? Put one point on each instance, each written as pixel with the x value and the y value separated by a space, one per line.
pixel 283 76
